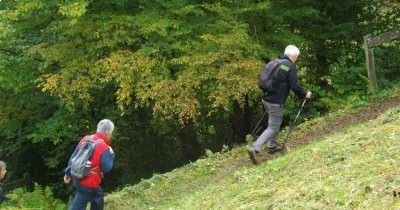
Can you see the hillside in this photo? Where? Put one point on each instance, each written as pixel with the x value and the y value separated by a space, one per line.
pixel 356 166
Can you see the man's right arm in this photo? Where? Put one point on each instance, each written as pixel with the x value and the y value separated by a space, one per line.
pixel 294 82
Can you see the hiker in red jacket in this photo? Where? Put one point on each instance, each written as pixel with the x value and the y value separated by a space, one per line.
pixel 102 160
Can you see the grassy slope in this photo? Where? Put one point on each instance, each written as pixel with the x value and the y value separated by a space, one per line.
pixel 356 168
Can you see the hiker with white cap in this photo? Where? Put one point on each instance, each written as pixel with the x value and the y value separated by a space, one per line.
pixel 278 78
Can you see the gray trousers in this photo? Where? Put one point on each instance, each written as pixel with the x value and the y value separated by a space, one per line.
pixel 271 134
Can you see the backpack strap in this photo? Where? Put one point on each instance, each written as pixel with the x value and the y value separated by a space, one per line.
pixel 92 171
pixel 95 142
pixel 90 137
pixel 98 141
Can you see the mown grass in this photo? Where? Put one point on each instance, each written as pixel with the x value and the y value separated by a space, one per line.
pixel 357 168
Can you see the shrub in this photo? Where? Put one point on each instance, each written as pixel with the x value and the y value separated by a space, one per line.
pixel 41 199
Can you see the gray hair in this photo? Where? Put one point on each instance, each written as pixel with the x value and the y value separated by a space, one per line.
pixel 105 126
pixel 2 164
pixel 292 50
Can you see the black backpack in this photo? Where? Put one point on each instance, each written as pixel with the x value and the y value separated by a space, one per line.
pixel 268 81
pixel 81 166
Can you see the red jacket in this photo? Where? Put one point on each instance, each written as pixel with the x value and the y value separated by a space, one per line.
pixel 102 161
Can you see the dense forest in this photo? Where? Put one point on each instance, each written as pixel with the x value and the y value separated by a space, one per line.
pixel 177 77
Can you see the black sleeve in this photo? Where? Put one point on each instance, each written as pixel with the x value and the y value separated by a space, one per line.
pixel 294 82
pixel 1 194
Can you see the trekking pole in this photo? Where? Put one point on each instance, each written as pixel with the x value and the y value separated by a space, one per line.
pixel 293 123
pixel 256 129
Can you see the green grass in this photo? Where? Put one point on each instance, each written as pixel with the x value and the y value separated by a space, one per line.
pixel 356 168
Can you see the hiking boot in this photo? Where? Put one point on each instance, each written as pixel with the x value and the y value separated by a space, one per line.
pixel 253 156
pixel 272 150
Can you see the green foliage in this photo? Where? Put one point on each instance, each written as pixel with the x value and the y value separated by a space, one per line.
pixel 386 64
pixel 180 49
pixel 345 72
pixel 40 198
pixel 385 14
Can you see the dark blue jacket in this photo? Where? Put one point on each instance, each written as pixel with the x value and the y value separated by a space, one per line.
pixel 287 81
pixel 2 197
